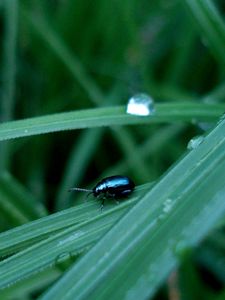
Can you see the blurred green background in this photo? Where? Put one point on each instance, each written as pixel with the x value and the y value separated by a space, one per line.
pixel 65 55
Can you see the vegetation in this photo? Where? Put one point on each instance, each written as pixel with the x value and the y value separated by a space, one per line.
pixel 68 70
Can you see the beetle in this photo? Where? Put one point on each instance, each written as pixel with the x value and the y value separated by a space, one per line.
pixel 114 187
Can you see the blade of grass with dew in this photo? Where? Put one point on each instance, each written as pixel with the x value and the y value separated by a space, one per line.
pixel 66 56
pixel 17 203
pixel 25 235
pixel 72 241
pixel 152 236
pixel 109 116
pixel 63 52
pixel 8 99
pixel 211 23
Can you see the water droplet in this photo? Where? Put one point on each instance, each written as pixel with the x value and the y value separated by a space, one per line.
pixel 64 260
pixel 70 238
pixel 167 205
pixel 25 130
pixel 195 142
pixel 205 126
pixel 140 105
pixel 62 257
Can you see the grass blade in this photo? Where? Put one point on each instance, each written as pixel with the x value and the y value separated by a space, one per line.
pixel 150 238
pixel 71 241
pixel 109 116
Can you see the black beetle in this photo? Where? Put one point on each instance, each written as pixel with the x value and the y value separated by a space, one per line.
pixel 114 187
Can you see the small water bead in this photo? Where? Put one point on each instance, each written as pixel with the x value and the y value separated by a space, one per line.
pixel 167 205
pixel 195 142
pixel 62 257
pixel 70 238
pixel 140 105
pixel 205 126
pixel 64 260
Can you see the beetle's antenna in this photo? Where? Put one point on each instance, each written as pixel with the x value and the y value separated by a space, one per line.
pixel 80 190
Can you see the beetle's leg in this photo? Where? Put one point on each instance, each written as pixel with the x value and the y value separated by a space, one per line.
pixel 88 196
pixel 113 196
pixel 102 204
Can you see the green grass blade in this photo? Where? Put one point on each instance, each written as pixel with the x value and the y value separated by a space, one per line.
pixel 108 116
pixel 148 241
pixel 31 284
pixel 71 241
pixel 211 24
pixel 71 231
pixel 27 234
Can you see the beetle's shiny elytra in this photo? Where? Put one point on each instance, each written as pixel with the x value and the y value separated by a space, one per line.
pixel 115 187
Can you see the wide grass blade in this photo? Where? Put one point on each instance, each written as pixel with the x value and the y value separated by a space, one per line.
pixel 23 236
pixel 67 243
pixel 20 237
pixel 137 254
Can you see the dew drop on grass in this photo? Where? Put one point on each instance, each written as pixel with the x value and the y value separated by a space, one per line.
pixel 195 142
pixel 25 130
pixel 64 260
pixel 70 238
pixel 140 105
pixel 62 257
pixel 167 206
pixel 205 126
